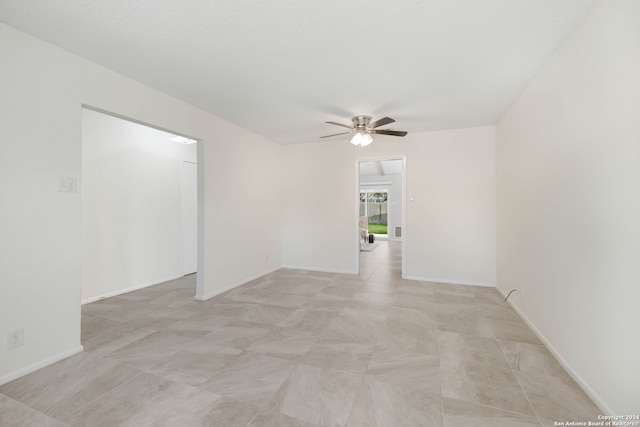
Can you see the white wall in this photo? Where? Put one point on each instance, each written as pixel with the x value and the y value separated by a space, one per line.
pixel 394 195
pixel 131 205
pixel 450 229
pixel 243 201
pixel 319 198
pixel 43 89
pixel 568 179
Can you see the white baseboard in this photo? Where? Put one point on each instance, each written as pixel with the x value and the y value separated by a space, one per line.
pixel 319 269
pixel 39 365
pixel 606 410
pixel 131 289
pixel 235 285
pixel 451 282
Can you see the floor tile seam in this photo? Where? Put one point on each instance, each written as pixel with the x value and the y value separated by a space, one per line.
pixel 493 333
pixel 259 406
pixel 182 346
pixel 86 404
pixel 376 292
pixel 491 304
pixel 494 319
pixel 507 369
pixel 394 383
pixel 497 409
pixel 220 396
pixel 300 361
pixel 253 418
pixel 104 357
pixel 496 342
pixel 164 377
pixel 426 297
pixel 442 406
pixel 345 311
pixel 520 321
pixel 355 399
pixel 113 359
pixel 23 404
pixel 489 365
pixel 475 299
pixel 54 378
pixel 148 370
pixel 88 315
pixel 315 333
pixel 526 395
pixel 358 372
pixel 422 310
pixel 293 358
pixel 415 353
pixel 373 378
pixel 81 389
pixel 266 404
pixel 516 341
pixel 223 368
pixel 98 316
pixel 439 354
pixel 227 393
pixel 439 323
pixel 376 345
pixel 502 409
pixel 540 345
pixel 574 385
pixel 419 333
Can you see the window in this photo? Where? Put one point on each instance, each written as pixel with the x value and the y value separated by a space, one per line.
pixel 373 205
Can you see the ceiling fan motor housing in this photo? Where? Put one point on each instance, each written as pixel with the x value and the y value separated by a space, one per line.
pixel 361 123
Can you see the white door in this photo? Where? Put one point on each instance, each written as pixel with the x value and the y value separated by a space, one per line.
pixel 190 216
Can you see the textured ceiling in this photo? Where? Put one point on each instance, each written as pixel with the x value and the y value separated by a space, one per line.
pixel 283 68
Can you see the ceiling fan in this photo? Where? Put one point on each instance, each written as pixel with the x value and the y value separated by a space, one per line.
pixel 363 129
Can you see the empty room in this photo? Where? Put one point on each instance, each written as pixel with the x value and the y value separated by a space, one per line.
pixel 337 213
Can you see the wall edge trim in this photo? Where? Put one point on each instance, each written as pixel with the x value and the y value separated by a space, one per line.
pixel 235 285
pixel 595 397
pixel 451 282
pixel 40 364
pixel 320 269
pixel 131 289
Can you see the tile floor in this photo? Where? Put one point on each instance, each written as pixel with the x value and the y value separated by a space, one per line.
pixel 298 348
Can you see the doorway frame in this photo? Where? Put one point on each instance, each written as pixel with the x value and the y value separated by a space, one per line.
pixel 403 219
pixel 200 277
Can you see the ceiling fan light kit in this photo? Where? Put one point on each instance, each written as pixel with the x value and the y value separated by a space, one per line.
pixel 363 129
pixel 361 139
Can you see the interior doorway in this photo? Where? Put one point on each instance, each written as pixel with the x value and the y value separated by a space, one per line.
pixel 381 202
pixel 139 205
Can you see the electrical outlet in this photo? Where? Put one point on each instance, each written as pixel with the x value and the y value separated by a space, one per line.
pixel 15 338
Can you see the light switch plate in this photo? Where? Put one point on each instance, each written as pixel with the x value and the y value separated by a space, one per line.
pixel 15 338
pixel 67 184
